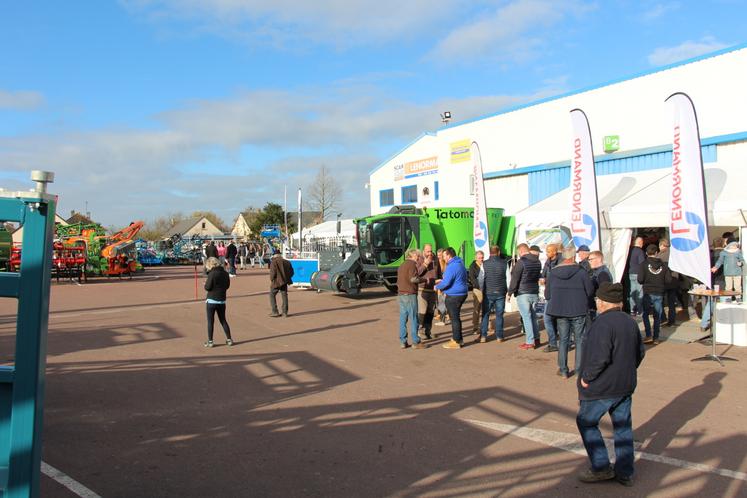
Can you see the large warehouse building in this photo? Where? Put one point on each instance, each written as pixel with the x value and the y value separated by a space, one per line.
pixel 526 153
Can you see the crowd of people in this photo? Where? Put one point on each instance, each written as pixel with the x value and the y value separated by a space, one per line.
pixel 561 291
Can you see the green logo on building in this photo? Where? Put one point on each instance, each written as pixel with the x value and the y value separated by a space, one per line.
pixel 611 143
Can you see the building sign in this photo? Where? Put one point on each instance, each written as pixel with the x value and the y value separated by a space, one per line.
pixel 611 143
pixel 421 167
pixel 399 172
pixel 460 151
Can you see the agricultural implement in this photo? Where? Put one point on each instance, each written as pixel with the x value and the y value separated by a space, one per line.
pixel 384 239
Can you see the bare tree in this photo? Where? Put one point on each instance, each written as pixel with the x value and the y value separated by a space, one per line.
pixel 324 193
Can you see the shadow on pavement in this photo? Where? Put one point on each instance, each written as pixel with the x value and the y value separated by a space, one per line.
pixel 244 425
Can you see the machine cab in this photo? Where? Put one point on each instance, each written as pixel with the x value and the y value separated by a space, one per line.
pixel 383 240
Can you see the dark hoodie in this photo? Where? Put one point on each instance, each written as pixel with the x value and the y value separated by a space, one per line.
pixel 567 290
pixel 654 276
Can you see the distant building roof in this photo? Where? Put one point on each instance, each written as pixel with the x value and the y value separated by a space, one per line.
pixel 194 226
pixel 76 217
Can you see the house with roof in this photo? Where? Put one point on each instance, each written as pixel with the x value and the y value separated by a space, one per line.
pixel 201 227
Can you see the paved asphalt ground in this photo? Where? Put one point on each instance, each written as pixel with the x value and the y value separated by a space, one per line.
pixel 324 403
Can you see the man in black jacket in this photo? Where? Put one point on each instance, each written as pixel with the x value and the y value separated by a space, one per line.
pixel 567 290
pixel 231 253
pixel 525 286
pixel 606 382
pixel 495 293
pixel 654 276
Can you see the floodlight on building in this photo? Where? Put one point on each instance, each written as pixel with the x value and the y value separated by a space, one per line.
pixel 445 117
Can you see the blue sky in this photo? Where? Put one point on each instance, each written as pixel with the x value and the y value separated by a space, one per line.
pixel 148 107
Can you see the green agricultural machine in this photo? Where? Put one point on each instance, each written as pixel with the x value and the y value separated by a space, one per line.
pixel 384 239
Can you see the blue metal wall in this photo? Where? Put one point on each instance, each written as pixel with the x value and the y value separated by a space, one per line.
pixel 546 182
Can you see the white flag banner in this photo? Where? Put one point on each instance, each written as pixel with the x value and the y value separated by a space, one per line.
pixel 300 225
pixel 583 192
pixel 480 220
pixel 688 221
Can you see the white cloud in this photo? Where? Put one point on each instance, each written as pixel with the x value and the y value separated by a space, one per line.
pixel 290 22
pixel 658 10
pixel 21 100
pixel 199 159
pixel 511 32
pixel 686 50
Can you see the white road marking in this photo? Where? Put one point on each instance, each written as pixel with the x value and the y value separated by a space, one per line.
pixel 67 481
pixel 572 443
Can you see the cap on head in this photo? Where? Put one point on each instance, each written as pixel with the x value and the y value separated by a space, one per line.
pixel 583 248
pixel 610 293
pixel 535 249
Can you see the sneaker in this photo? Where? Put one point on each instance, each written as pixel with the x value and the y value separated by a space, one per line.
pixel 589 475
pixel 285 315
pixel 439 323
pixel 419 345
pixel 208 344
pixel 549 349
pixel 648 340
pixel 526 346
pixel 500 339
pixel 229 342
pixel 656 342
pixel 452 344
pixel 428 336
pixel 403 345
pixel 563 374
pixel 483 339
pixel 625 481
pixel 274 315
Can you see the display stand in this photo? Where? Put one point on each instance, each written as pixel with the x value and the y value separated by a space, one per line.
pixel 711 294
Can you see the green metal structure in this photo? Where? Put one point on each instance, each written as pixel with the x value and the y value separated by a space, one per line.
pixel 22 383
pixel 383 240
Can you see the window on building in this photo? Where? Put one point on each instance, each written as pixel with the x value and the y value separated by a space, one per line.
pixel 204 225
pixel 435 191
pixel 410 194
pixel 386 197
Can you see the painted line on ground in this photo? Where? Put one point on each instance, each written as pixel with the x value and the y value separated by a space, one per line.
pixel 572 443
pixel 67 481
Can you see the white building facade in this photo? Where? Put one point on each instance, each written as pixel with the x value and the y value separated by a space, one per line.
pixel 526 150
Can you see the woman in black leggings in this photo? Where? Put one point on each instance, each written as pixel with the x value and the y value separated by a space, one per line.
pixel 216 286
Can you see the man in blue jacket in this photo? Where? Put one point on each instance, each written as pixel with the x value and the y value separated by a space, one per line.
pixel 455 287
pixel 567 290
pixel 606 382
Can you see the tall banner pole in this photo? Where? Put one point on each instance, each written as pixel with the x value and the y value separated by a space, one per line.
pixel 480 225
pixel 584 203
pixel 688 217
pixel 300 224
pixel 285 214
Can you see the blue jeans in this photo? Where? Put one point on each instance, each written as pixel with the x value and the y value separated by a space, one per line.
pixel 408 310
pixel 526 304
pixel 652 302
pixel 672 296
pixel 587 421
pixel 636 294
pixel 567 325
pixel 550 326
pixel 705 321
pixel 492 302
pixel 454 307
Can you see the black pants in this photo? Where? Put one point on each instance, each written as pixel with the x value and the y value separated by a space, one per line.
pixel 273 303
pixel 221 310
pixel 454 307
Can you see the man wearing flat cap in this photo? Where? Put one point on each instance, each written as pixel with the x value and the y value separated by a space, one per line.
pixel 607 379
